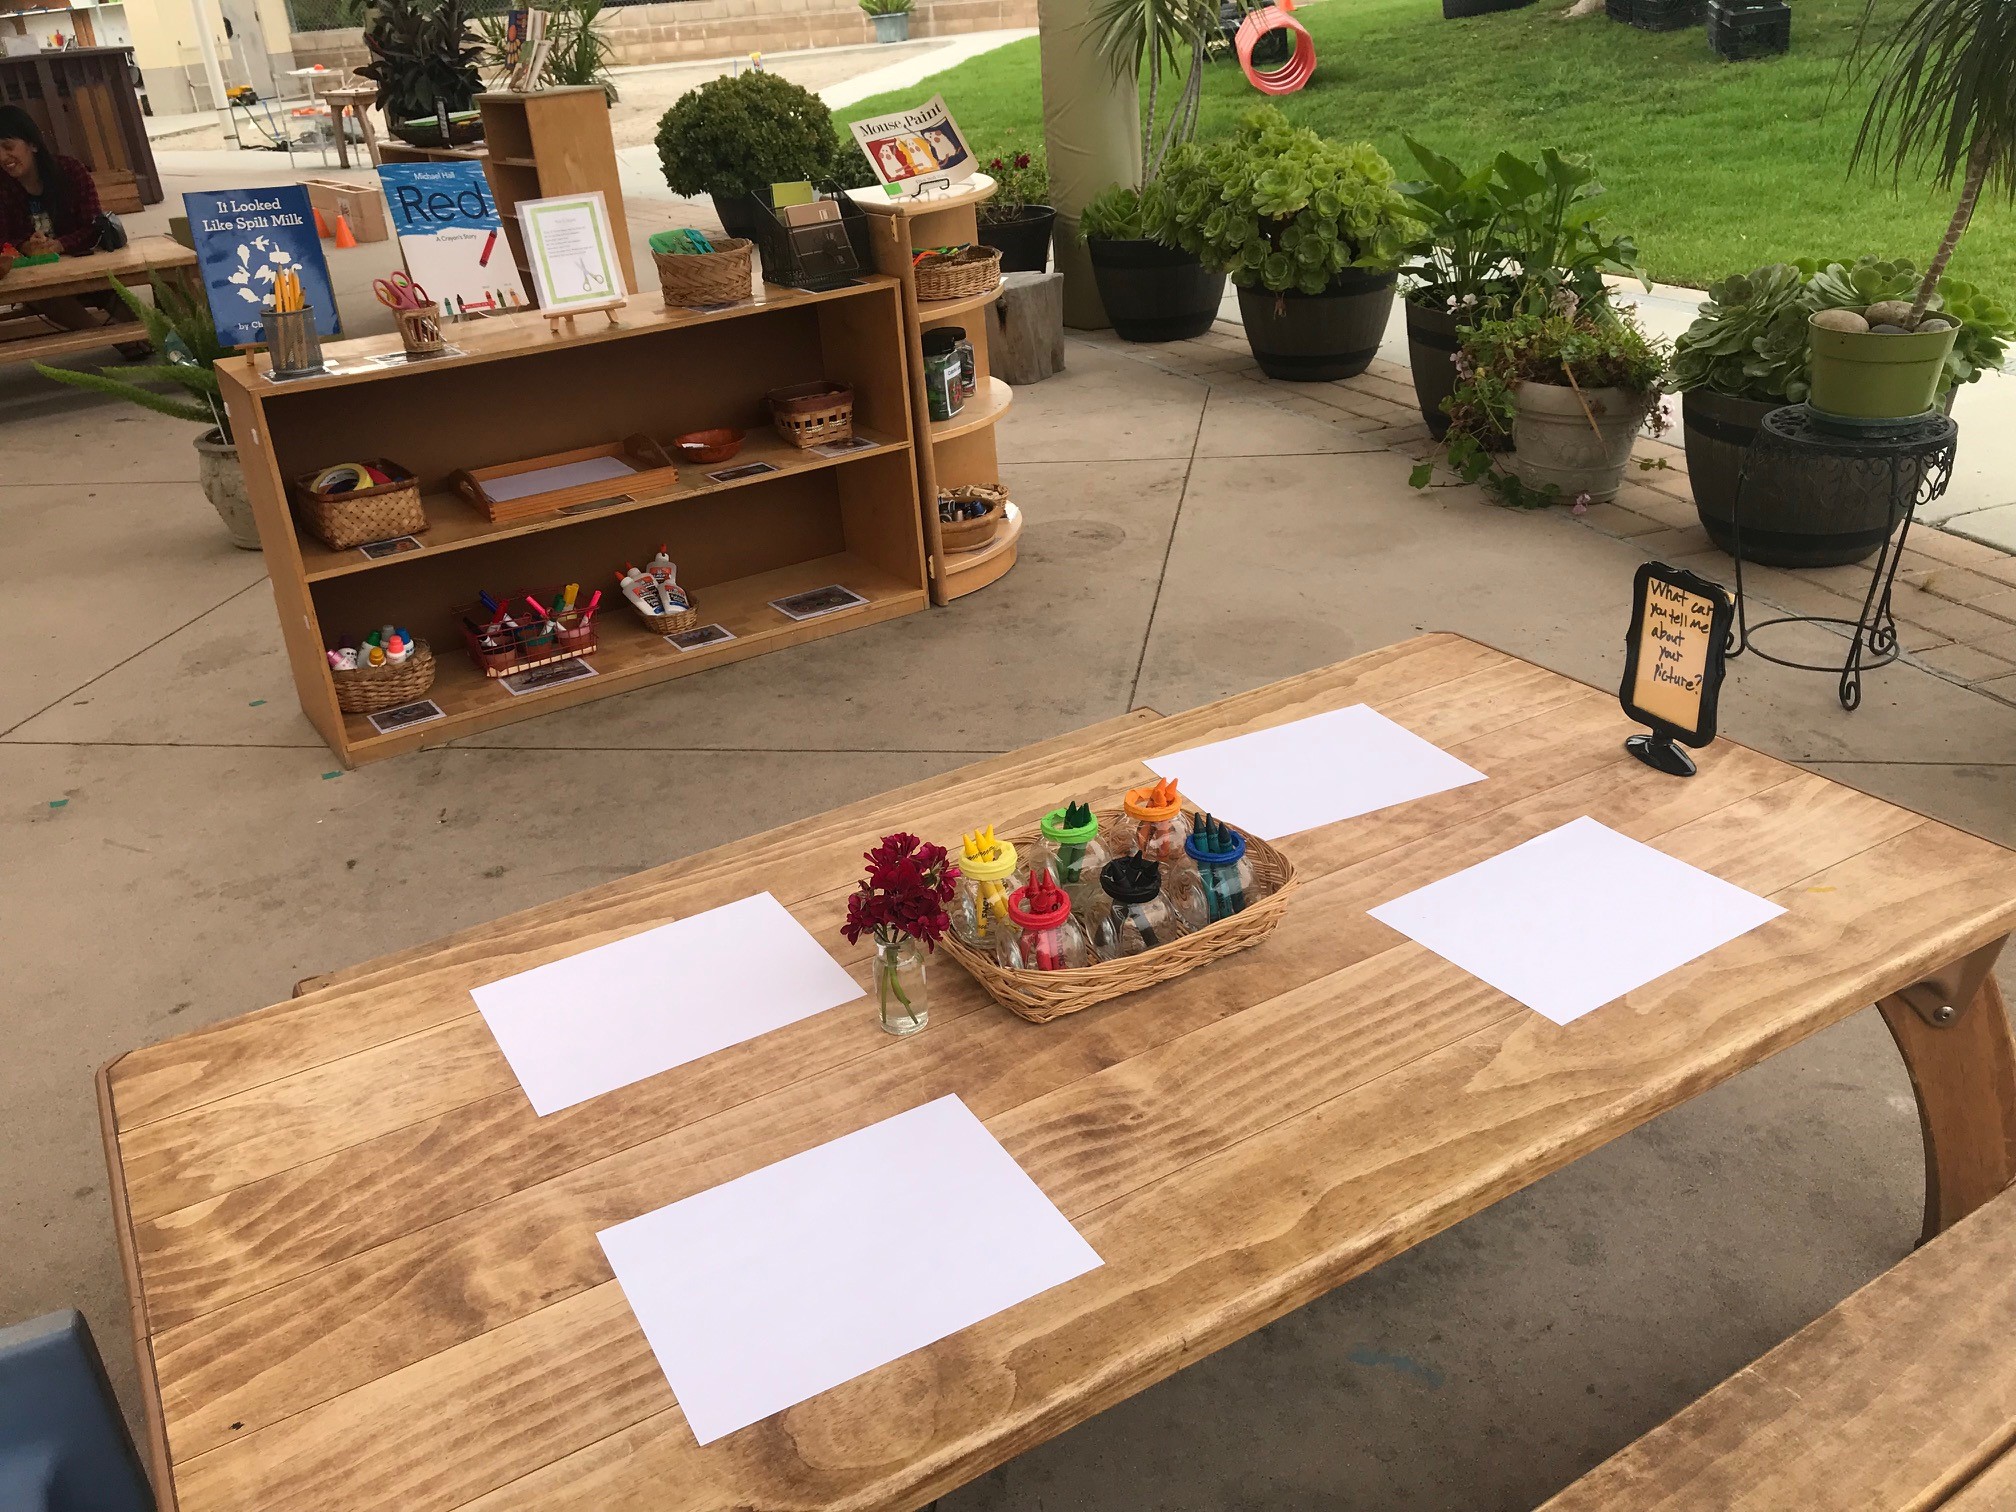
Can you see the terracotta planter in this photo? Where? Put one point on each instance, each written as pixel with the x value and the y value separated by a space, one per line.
pixel 1557 444
pixel 1152 292
pixel 223 483
pixel 1311 338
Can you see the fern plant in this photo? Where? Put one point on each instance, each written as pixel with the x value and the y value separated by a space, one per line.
pixel 186 350
pixel 423 52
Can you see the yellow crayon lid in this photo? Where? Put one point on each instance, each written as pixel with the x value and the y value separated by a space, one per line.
pixel 979 865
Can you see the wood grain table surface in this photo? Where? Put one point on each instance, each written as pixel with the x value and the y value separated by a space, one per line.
pixel 365 1275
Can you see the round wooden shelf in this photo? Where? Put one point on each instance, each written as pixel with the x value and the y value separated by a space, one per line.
pixel 929 310
pixel 980 186
pixel 978 413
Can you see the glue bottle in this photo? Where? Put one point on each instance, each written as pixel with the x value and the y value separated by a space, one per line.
pixel 1137 916
pixel 1159 824
pixel 1071 854
pixel 989 870
pixel 1046 937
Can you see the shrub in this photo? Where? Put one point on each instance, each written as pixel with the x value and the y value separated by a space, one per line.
pixel 740 134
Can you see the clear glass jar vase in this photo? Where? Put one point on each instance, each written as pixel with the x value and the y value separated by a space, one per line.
pixel 1156 823
pixel 989 870
pixel 1047 937
pixel 1137 916
pixel 900 997
pixel 1072 853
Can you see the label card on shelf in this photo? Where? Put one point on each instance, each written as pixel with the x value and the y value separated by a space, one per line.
pixel 1315 771
pixel 425 711
pixel 538 679
pixel 699 636
pixel 817 601
pixel 762 1292
pixel 590 1023
pixel 1576 917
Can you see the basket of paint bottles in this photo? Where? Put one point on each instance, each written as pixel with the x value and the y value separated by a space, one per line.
pixel 1095 905
pixel 382 670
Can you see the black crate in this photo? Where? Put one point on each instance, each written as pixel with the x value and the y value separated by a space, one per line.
pixel 1739 31
pixel 1656 15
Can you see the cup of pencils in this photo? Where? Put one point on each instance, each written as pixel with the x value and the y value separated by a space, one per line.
pixel 291 338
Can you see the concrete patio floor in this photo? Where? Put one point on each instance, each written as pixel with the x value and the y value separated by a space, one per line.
pixel 179 847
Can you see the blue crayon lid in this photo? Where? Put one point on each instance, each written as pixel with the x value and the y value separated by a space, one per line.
pixel 1235 843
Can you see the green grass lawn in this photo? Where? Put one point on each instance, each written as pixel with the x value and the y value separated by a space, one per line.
pixel 1715 167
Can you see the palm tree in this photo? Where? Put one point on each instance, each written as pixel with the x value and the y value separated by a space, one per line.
pixel 1157 34
pixel 1947 98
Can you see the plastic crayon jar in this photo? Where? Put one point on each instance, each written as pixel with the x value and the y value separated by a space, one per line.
pixel 1215 879
pixel 989 870
pixel 1072 853
pixel 1047 937
pixel 1158 824
pixel 1137 916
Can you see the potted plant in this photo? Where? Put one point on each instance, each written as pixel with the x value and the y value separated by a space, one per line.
pixel 1310 231
pixel 1151 288
pixel 1573 383
pixel 1943 99
pixel 1747 354
pixel 1485 235
pixel 1019 216
pixel 186 350
pixel 891 18
pixel 735 136
pixel 423 59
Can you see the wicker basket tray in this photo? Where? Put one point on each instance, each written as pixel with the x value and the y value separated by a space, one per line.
pixel 1040 996
pixel 370 689
pixel 706 278
pixel 343 520
pixel 667 624
pixel 970 535
pixel 970 270
pixel 812 414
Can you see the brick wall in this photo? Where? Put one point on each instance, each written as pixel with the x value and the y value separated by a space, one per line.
pixel 688 30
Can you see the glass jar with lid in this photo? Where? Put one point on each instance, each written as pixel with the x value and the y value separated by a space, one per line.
pixel 1071 853
pixel 1137 916
pixel 989 870
pixel 1157 824
pixel 1047 937
pixel 1215 879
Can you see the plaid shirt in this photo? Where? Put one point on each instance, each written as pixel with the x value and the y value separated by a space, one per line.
pixel 76 230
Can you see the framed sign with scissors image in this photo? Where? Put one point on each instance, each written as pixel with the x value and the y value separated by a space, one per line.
pixel 572 254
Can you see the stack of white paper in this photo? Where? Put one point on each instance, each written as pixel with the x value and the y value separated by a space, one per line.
pixel 1575 917
pixel 1314 771
pixel 579 1027
pixel 787 1282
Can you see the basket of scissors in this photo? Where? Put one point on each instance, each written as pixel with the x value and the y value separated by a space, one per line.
pixel 694 270
pixel 352 503
pixel 653 591
pixel 956 272
pixel 419 322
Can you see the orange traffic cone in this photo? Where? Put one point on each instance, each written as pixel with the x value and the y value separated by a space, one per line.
pixel 321 225
pixel 345 237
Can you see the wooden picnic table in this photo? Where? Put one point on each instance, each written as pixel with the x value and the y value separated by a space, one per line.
pixel 365 1275
pixel 26 336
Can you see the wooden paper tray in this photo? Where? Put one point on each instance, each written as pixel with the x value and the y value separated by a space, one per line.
pixel 654 474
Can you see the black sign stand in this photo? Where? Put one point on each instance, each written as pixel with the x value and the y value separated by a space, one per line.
pixel 1658 749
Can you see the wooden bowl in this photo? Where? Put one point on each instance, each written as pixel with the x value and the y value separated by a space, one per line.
pixel 708 445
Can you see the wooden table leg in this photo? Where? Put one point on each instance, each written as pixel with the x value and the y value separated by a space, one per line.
pixel 336 113
pixel 1953 1032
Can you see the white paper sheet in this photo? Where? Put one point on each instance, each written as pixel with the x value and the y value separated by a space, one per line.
pixel 1315 771
pixel 776 1286
pixel 553 479
pixel 576 1028
pixel 1576 917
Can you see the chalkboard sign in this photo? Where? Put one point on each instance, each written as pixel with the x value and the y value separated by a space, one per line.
pixel 1673 664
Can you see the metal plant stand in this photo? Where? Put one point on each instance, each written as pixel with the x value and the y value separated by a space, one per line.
pixel 1901 467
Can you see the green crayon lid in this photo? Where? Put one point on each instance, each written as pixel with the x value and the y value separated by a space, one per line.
pixel 1073 824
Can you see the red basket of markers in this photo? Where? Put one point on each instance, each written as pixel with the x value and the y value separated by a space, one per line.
pixel 512 632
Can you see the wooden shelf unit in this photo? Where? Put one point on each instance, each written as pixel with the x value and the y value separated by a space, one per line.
pixel 518 391
pixel 960 450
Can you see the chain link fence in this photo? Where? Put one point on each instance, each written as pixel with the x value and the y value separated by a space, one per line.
pixel 330 15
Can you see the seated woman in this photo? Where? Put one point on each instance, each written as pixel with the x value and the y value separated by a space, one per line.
pixel 48 203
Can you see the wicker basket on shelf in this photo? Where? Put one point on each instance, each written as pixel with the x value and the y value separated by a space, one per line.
pixel 1040 996
pixel 970 535
pixel 343 520
pixel 706 278
pixel 666 624
pixel 367 690
pixel 958 273
pixel 813 414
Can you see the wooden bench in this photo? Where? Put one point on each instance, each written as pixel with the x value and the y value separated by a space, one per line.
pixel 26 336
pixel 1902 1397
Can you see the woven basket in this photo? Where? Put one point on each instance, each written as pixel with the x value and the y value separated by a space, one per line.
pixel 969 535
pixel 369 689
pixel 343 520
pixel 812 414
pixel 1040 996
pixel 970 270
pixel 420 331
pixel 667 624
pixel 706 278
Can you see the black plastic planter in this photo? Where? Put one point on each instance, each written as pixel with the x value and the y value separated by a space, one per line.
pixel 1311 338
pixel 1737 31
pixel 1024 238
pixel 1152 292
pixel 1456 10
pixel 1655 15
pixel 742 215
pixel 1431 353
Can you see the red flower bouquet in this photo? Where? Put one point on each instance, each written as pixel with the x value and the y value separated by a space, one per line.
pixel 909 882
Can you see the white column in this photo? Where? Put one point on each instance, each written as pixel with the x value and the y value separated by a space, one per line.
pixel 1092 134
pixel 213 73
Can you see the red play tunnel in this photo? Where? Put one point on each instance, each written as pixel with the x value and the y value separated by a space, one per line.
pixel 1289 76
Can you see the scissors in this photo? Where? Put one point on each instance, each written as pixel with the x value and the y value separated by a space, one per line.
pixel 399 292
